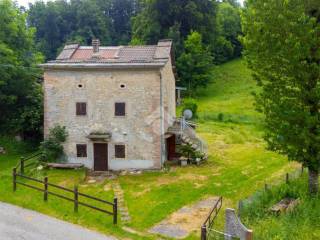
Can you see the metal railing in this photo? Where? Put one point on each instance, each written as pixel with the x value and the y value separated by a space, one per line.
pixel 188 128
pixel 207 226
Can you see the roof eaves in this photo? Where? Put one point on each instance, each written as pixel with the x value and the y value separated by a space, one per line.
pixel 100 65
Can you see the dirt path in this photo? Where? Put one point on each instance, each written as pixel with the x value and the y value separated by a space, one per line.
pixel 186 220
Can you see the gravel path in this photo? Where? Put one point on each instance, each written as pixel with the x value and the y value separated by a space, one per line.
pixel 21 224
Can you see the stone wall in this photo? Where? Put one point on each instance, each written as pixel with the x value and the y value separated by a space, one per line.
pixel 139 130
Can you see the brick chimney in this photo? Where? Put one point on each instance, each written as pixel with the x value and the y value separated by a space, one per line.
pixel 95 45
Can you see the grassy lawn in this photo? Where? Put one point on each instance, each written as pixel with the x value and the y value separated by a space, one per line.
pixel 238 165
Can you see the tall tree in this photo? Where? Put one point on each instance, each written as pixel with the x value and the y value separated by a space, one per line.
pixel 64 21
pixel 227 45
pixel 20 93
pixel 161 18
pixel 195 63
pixel 282 47
pixel 120 12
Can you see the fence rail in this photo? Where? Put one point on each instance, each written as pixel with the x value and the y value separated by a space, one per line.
pixel 208 223
pixel 18 173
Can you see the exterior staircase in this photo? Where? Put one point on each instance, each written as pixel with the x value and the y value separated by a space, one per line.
pixel 185 131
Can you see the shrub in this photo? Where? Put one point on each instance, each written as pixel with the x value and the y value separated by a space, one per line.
pixel 51 147
pixel 188 152
pixel 191 104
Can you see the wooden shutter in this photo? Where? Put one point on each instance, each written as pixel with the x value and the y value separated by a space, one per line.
pixel 120 109
pixel 120 151
pixel 81 108
pixel 81 150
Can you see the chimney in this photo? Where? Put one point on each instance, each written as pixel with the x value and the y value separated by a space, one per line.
pixel 95 45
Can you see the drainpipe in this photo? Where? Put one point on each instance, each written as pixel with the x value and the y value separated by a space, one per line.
pixel 161 121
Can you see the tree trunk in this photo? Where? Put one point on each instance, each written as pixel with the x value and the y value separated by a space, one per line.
pixel 313 181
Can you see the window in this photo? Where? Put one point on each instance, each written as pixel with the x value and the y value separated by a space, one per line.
pixel 120 109
pixel 81 108
pixel 81 150
pixel 120 151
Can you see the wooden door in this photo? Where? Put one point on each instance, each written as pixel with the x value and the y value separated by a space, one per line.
pixel 100 156
pixel 171 147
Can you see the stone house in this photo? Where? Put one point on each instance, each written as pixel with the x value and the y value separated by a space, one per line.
pixel 118 104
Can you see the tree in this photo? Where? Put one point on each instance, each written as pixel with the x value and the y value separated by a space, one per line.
pixel 163 18
pixel 120 12
pixel 227 45
pixel 20 92
pixel 195 63
pixel 61 21
pixel 282 47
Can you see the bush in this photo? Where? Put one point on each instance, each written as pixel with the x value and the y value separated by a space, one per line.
pixel 51 147
pixel 191 104
pixel 188 152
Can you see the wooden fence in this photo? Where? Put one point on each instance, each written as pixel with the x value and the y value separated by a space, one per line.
pixel 18 173
pixel 208 223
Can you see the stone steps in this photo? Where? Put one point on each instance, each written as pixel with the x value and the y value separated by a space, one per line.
pixel 122 208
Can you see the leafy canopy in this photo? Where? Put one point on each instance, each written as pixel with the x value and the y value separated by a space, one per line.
pixel 195 63
pixel 282 47
pixel 20 92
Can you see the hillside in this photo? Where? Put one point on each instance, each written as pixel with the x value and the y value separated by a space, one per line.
pixel 238 165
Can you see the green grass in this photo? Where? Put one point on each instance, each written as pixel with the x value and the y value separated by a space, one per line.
pixel 238 164
pixel 301 223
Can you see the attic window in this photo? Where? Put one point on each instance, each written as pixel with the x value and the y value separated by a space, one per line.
pixel 122 86
pixel 80 86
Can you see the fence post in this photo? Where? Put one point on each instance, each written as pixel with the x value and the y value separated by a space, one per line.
pixel 22 165
pixel 240 206
pixel 115 211
pixel 302 168
pixel 266 187
pixel 287 178
pixel 14 178
pixel 76 197
pixel 45 193
pixel 249 235
pixel 203 232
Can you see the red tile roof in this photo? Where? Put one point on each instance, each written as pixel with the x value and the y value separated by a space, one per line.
pixel 131 55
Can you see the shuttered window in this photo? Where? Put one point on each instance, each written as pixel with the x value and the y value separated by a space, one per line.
pixel 81 108
pixel 120 109
pixel 120 151
pixel 81 150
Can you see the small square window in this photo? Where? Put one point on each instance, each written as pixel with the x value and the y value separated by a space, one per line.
pixel 120 109
pixel 120 151
pixel 81 108
pixel 81 150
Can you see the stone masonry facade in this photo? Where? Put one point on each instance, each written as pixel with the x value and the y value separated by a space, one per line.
pixel 149 97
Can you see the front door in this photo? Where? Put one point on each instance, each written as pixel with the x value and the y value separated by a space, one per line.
pixel 100 156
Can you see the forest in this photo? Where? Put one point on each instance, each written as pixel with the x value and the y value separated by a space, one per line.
pixel 205 33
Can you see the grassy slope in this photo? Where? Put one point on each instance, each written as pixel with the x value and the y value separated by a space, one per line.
pixel 302 223
pixel 238 164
